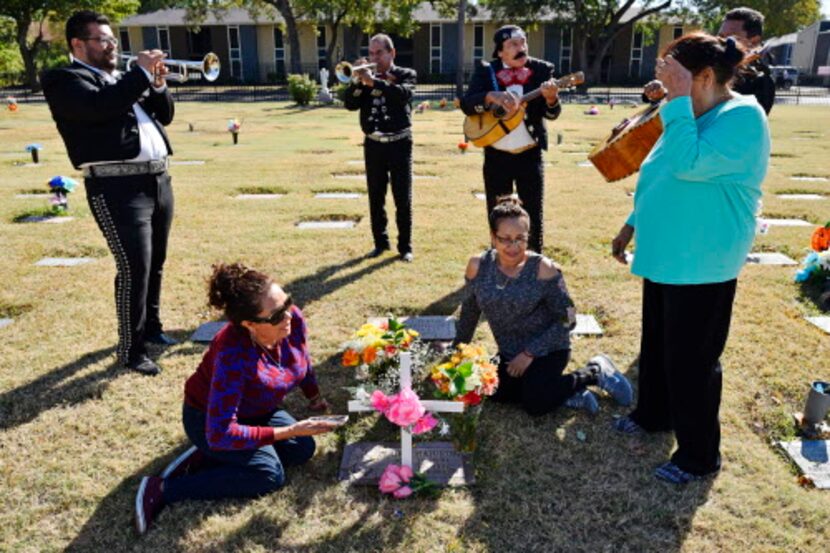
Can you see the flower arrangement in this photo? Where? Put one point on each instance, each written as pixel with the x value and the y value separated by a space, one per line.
pixel 233 128
pixel 404 409
pixel 34 149
pixel 374 350
pixel 816 266
pixel 423 106
pixel 463 145
pixel 820 240
pixel 61 186
pixel 467 376
pixel 401 481
pixel 11 103
pixel 442 103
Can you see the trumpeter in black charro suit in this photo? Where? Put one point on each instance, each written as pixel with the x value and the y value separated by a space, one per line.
pixel 513 159
pixel 113 127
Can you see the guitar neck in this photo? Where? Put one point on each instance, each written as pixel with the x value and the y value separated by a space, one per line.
pixel 566 81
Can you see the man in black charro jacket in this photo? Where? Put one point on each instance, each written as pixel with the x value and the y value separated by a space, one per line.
pixel 113 128
pixel 384 100
pixel 518 156
pixel 755 78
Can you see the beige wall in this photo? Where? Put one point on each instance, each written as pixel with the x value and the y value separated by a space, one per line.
pixel 667 35
pixel 265 45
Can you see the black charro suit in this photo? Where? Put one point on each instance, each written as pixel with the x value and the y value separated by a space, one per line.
pixel 526 169
pixel 98 123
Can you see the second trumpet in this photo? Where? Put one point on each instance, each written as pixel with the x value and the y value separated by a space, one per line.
pixel 345 71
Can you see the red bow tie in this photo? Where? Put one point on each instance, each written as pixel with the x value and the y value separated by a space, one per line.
pixel 509 76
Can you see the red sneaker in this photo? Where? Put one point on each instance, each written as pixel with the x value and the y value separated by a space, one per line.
pixel 188 462
pixel 149 501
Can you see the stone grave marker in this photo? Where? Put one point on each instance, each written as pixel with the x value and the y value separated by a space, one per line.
pixel 353 176
pixel 787 222
pixel 337 195
pixel 811 457
pixel 32 195
pixel 406 436
pixel 431 328
pixel 480 196
pixel 809 179
pixel 206 331
pixel 5 322
pixel 584 164
pixel 363 463
pixel 325 225
pixel 258 196
pixel 822 322
pixel 46 219
pixel 63 261
pixel 766 258
pixel 801 196
pixel 587 325
pixel 187 162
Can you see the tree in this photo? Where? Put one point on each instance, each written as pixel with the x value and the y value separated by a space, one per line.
pixel 782 16
pixel 37 14
pixel 595 23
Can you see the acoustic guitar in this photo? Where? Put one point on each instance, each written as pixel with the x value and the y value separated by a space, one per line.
pixel 485 129
pixel 624 150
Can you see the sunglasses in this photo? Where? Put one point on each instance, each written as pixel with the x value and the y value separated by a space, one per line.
pixel 277 316
pixel 505 241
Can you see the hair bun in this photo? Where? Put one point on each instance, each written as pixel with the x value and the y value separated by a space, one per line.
pixel 509 199
pixel 733 53
pixel 223 284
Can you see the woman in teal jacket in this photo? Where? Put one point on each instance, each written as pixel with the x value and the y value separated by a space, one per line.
pixel 694 222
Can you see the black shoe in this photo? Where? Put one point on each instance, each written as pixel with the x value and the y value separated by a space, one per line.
pixel 160 338
pixel 377 252
pixel 144 365
pixel 407 257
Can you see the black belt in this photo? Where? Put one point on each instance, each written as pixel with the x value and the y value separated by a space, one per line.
pixel 126 169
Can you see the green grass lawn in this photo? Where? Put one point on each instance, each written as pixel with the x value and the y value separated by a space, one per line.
pixel 77 432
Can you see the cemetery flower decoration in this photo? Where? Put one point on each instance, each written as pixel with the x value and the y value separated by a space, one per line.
pixel 374 351
pixel 233 128
pixel 34 149
pixel 404 409
pixel 815 266
pixel 463 145
pixel 11 103
pixel 820 241
pixel 61 186
pixel 401 482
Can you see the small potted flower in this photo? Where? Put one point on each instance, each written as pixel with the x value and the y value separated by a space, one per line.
pixel 233 128
pixel 11 103
pixel 463 145
pixel 34 149
pixel 61 187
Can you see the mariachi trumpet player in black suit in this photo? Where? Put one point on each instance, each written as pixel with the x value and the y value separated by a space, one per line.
pixel 113 126
pixel 516 158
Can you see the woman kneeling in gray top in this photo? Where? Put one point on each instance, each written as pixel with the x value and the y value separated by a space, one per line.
pixel 524 297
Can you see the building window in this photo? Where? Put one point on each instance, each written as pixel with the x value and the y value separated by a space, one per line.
pixel 677 32
pixel 124 41
pixel 279 52
pixel 235 52
pixel 164 39
pixel 565 50
pixel 435 49
pixel 636 58
pixel 321 46
pixel 478 43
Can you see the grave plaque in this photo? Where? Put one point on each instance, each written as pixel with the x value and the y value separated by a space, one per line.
pixel 773 258
pixel 5 322
pixel 337 195
pixel 363 463
pixel 326 225
pixel 187 162
pixel 63 261
pixel 787 223
pixel 480 196
pixel 258 196
pixel 821 322
pixel 430 327
pixel 32 195
pixel 586 325
pixel 584 164
pixel 355 176
pixel 206 331
pixel 810 179
pixel 46 219
pixel 812 459
pixel 801 196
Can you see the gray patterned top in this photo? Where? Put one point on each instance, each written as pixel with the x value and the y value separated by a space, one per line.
pixel 525 313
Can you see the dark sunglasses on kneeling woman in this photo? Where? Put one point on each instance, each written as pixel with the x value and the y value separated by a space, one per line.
pixel 278 315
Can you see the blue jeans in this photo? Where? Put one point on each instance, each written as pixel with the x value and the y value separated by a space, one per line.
pixel 242 473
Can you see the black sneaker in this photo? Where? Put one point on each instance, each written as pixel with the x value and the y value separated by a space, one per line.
pixel 377 252
pixel 144 365
pixel 161 338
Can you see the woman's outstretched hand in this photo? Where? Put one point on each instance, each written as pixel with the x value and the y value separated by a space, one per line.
pixel 620 242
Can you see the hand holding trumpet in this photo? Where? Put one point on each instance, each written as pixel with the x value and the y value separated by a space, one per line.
pixel 153 62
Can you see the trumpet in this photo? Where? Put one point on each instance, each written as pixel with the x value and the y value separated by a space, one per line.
pixel 180 69
pixel 345 71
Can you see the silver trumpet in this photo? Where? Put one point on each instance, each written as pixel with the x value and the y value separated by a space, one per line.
pixel 345 71
pixel 180 70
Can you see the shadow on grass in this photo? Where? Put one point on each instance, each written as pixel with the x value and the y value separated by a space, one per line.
pixel 316 286
pixel 817 292
pixel 57 387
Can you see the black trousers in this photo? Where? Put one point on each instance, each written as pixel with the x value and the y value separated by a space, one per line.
pixel 685 328
pixel 543 387
pixel 527 171
pixel 384 162
pixel 134 213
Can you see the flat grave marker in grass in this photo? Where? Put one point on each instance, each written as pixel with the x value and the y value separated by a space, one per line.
pixel 769 258
pixel 811 457
pixel 823 322
pixel 801 197
pixel 326 225
pixel 584 164
pixel 430 327
pixel 63 261
pixel 587 325
pixel 187 162
pixel 27 195
pixel 787 223
pixel 362 176
pixel 355 162
pixel 364 462
pixel 808 178
pixel 337 195
pixel 206 331
pixel 480 196
pixel 51 219
pixel 258 196
pixel 5 322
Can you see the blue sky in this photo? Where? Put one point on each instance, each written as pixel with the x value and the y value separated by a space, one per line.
pixel 825 7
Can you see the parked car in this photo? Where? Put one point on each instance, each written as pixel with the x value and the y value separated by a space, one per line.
pixel 785 76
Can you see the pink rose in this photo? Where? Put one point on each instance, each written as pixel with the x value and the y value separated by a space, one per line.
pixel 405 408
pixel 402 492
pixel 390 480
pixel 406 473
pixel 424 424
pixel 379 401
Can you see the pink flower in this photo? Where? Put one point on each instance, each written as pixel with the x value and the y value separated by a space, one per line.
pixel 390 480
pixel 379 401
pixel 405 408
pixel 424 424
pixel 406 473
pixel 402 492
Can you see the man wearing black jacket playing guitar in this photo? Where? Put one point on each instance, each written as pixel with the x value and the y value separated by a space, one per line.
pixel 518 156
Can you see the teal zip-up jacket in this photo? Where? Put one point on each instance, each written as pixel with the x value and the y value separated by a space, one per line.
pixel 698 192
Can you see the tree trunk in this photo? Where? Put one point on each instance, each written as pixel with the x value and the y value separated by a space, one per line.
pixel 287 13
pixel 459 68
pixel 28 53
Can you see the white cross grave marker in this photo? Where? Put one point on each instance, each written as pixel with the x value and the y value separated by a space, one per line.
pixel 356 406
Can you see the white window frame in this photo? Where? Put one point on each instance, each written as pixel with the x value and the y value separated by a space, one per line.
pixel 478 49
pixel 166 30
pixel 235 54
pixel 566 52
pixel 279 52
pixel 636 54
pixel 433 49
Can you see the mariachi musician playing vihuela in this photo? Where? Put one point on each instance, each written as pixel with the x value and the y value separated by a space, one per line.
pixel 517 157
